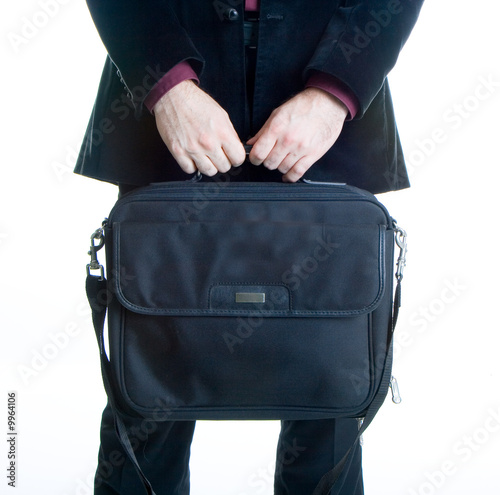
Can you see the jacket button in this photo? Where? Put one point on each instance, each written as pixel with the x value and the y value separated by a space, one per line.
pixel 231 15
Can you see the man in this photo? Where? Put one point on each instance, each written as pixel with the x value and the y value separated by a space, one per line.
pixel 185 84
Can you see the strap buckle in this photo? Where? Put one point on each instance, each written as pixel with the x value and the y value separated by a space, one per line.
pixel 401 241
pixel 97 236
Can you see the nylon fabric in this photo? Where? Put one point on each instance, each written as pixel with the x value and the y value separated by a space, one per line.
pixel 294 361
pixel 315 262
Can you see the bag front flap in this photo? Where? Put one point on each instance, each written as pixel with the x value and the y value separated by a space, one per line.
pixel 302 261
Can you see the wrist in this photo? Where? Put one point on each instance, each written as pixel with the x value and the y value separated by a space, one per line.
pixel 324 97
pixel 181 72
pixel 179 91
pixel 337 88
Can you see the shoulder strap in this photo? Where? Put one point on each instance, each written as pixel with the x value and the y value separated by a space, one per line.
pixel 328 481
pixel 97 294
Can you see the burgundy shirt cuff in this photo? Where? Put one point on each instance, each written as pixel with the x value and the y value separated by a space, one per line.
pixel 181 72
pixel 337 88
pixel 252 5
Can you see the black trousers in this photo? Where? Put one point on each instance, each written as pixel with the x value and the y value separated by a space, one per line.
pixel 306 451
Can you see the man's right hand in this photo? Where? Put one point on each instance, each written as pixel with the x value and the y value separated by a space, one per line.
pixel 197 130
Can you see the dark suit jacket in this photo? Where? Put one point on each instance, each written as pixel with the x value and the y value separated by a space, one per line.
pixel 357 41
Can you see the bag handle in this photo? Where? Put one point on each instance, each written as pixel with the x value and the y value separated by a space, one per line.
pixel 98 295
pixel 198 176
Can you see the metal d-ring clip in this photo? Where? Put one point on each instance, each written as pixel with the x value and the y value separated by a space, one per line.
pixel 94 264
pixel 401 241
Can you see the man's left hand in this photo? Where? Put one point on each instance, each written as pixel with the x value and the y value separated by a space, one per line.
pixel 298 133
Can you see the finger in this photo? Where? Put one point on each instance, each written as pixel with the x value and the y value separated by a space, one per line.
pixel 219 160
pixel 186 164
pixel 298 170
pixel 288 162
pixel 205 165
pixel 279 158
pixel 261 149
pixel 235 152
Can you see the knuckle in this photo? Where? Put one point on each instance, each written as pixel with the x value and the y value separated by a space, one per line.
pixel 205 141
pixel 186 165
pixel 188 168
pixel 223 167
pixel 303 147
pixel 276 126
pixel 257 157
pixel 289 140
pixel 296 172
pixel 177 149
pixel 207 170
pixel 270 164
pixel 223 112
pixel 301 168
pixel 293 177
pixel 236 161
pixel 241 158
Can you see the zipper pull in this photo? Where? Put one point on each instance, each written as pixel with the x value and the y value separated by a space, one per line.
pixel 396 398
pixel 360 424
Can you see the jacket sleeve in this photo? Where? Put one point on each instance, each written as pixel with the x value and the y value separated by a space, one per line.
pixel 144 41
pixel 362 42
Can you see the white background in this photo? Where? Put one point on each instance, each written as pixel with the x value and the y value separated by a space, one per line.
pixel 445 436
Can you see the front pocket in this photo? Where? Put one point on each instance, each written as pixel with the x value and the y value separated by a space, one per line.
pixel 246 367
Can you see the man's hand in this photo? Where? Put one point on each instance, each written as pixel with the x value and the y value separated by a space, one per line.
pixel 197 130
pixel 298 133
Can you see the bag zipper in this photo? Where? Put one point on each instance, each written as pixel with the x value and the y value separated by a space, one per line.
pixel 248 191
